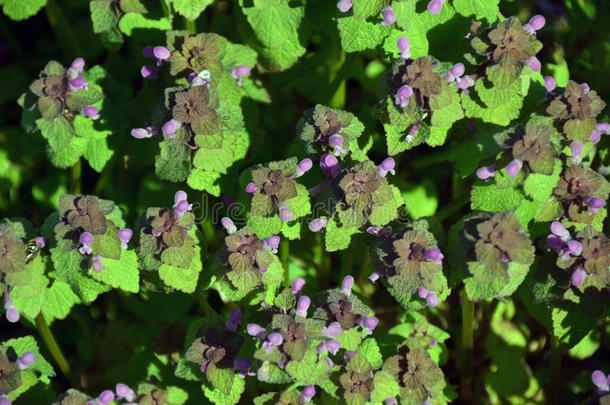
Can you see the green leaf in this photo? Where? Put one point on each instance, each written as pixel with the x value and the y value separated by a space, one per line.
pixel 28 298
pixel 363 9
pixel 480 9
pixel 498 288
pixel 22 9
pixel 264 227
pixel 204 181
pixel 421 200
pixel 218 397
pixel 22 345
pixel 358 35
pixel 495 105
pixel 310 370
pixel 97 151
pixel 539 186
pixel 132 21
pixel 190 9
pixel 57 301
pixel 489 198
pixel 103 15
pixel 122 273
pixel 370 351
pixel 338 238
pixel 384 386
pixel 184 280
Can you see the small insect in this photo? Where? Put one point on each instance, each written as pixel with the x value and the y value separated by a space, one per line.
pixel 31 250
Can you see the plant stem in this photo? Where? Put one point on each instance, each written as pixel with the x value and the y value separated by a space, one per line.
pixel 75 177
pixel 65 37
pixel 190 25
pixel 334 94
pixel 466 394
pixel 49 340
pixel 285 256
pixel 554 384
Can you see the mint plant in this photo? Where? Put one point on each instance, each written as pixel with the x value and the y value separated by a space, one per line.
pixel 374 202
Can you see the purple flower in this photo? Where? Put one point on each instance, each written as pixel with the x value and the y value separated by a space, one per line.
pixel 455 72
pixel 302 306
pixel 389 17
pixel 346 286
pixel 147 52
pixel 123 391
pixel 550 83
pixel 576 148
pixel 285 212
pixel 200 79
pixel 181 205
pixel 534 24
pixel 228 224
pixel 434 255
pixel 514 167
pixel 97 264
pixel 558 229
pixel 386 166
pixel 603 127
pixel 333 329
pixel 574 247
pixel 234 320
pixel 170 127
pixel 463 83
pixel 595 204
pixel 272 242
pixel 105 397
pixel 12 313
pixel 91 112
pixel 432 299
pixel 85 239
pixel 162 54
pixel 297 285
pixel 149 72
pixel 303 167
pixel 331 346
pixel 404 45
pixel 251 188
pixel 374 277
pixel 316 225
pixel 578 277
pixel 146 132
pixel 239 72
pixel 274 339
pixel 40 241
pixel 337 142
pixel 402 95
pixel 329 165
pixel 422 292
pixel 4 400
pixel 26 360
pixel 78 83
pixel 255 330
pixel 533 63
pixel 601 381
pixel 125 235
pixel 369 323
pixel 392 401
pixel 435 6
pixel 585 88
pixel 344 5
pixel 76 68
pixel 486 172
pixel 308 393
pixel 595 136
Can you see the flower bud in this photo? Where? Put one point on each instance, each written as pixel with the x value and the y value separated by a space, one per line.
pixel 537 22
pixel 344 5
pixel 331 346
pixel 595 136
pixel 514 167
pixel 550 83
pixel 486 172
pixel 303 167
pixel 123 391
pixel 234 319
pixel 316 225
pixel 404 45
pixel 574 247
pixel 26 360
pixel 432 299
pixel 141 133
pixel 370 323
pixel 78 83
pixel 374 277
pixel 85 238
pixel 13 315
pixel 333 329
pixel 297 285
pixel 422 292
pixel 402 95
pixel 558 229
pixel 125 235
pixel 4 400
pixel 254 330
pixel 149 72
pixel 78 65
pixel 595 204
pixel 239 72
pixel 600 380
pixel 578 277
pixel 603 127
pixel 457 70
pixel 161 53
pixel 182 207
pixel 106 397
pixel 302 306
pixel 576 147
pixel 285 213
pixel 435 6
pixel 434 255
pixel 272 242
pixel 170 127
pixel 329 165
pixel 251 188
pixel 346 286
pixel 389 17
pixel 533 63
pixel 308 393
pixel 275 339
pixel 228 224
pixel 91 112
pixel 386 166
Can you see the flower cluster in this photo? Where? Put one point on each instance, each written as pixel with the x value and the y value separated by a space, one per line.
pixel 271 187
pixel 323 131
pixel 582 192
pixel 586 256
pixel 410 261
pixel 64 92
pixel 418 79
pixel 165 236
pixel 11 366
pixel 507 48
pixel 574 108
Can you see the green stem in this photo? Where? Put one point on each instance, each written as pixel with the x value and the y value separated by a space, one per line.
pixel 190 25
pixel 554 384
pixel 285 256
pixel 210 234
pixel 453 206
pixel 49 340
pixel 75 177
pixel 336 88
pixel 466 394
pixel 63 31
